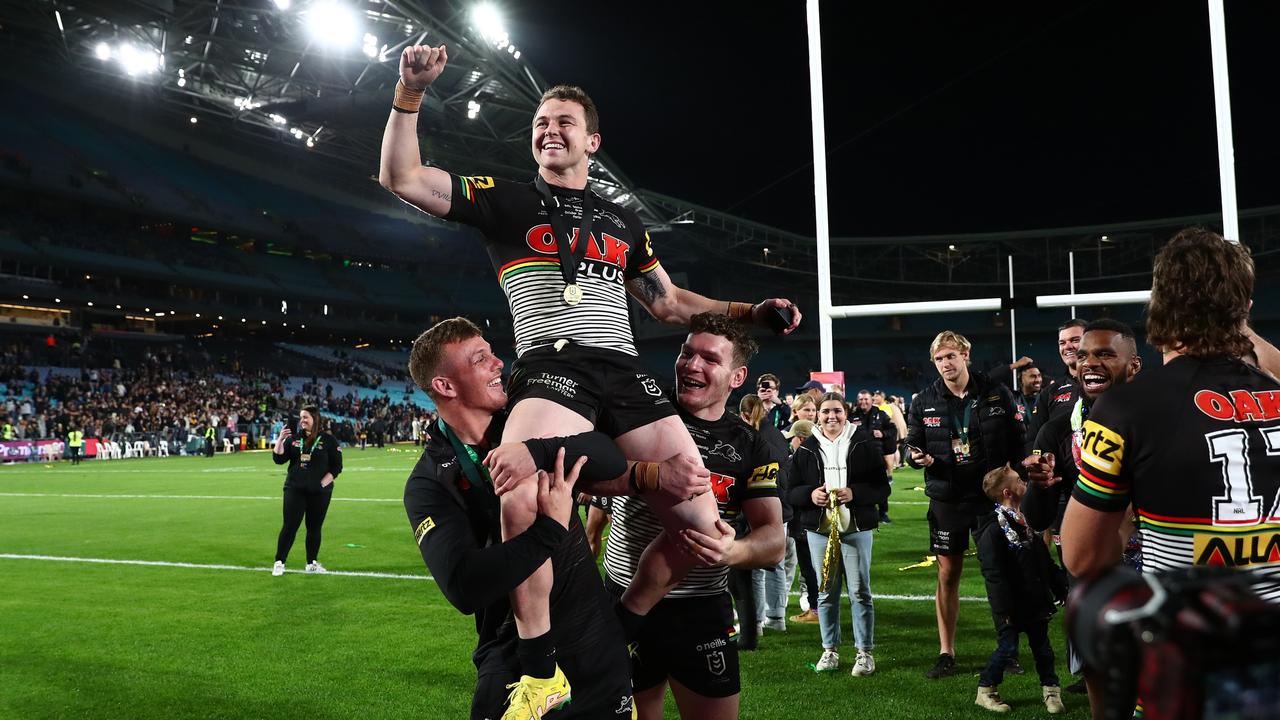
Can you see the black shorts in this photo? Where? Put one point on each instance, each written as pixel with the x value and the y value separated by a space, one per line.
pixel 606 387
pixel 951 524
pixel 599 678
pixel 691 640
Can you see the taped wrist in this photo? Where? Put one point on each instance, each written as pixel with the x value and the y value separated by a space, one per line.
pixel 408 100
pixel 644 478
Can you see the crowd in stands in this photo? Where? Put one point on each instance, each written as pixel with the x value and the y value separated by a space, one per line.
pixel 175 394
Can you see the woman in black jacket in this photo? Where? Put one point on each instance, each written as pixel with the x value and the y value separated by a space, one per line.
pixel 846 463
pixel 314 461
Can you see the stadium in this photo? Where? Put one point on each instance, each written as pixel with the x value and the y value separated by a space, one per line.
pixel 196 248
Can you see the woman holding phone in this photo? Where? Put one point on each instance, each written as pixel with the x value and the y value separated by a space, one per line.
pixel 314 460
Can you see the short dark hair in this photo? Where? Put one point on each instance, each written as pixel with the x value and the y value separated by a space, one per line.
pixel 1072 323
pixel 1200 292
pixel 573 93
pixel 428 348
pixel 744 346
pixel 1117 327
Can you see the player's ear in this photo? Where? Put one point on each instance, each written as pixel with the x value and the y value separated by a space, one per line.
pixel 443 386
pixel 593 143
pixel 738 377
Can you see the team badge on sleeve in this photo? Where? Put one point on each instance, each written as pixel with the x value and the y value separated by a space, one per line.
pixel 765 476
pixel 424 527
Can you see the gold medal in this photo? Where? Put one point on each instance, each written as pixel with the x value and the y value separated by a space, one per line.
pixel 572 294
pixel 305 457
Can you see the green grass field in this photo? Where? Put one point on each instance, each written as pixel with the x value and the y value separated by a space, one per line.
pixel 89 628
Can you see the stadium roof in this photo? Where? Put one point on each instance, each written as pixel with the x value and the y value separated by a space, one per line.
pixel 312 72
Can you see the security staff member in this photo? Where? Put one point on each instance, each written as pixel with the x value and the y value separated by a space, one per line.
pixel 75 442
pixel 314 460
pixel 959 428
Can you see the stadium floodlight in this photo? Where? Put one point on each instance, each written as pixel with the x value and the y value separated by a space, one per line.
pixel 102 51
pixel 488 21
pixel 283 4
pixel 473 109
pixel 370 45
pixel 182 82
pixel 58 16
pixel 90 303
pixel 137 62
pixel 277 119
pixel 333 24
pixel 194 119
pixel 26 297
pixel 57 300
pixel 117 307
pixel 311 142
pixel 517 55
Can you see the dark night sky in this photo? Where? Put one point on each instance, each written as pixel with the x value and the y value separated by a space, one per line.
pixel 941 117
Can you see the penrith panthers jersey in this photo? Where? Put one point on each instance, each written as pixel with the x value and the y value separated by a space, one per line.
pixel 1195 446
pixel 522 247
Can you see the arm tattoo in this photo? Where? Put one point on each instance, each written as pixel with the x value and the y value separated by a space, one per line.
pixel 442 195
pixel 649 288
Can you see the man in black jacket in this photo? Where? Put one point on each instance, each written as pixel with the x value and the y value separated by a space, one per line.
pixel 454 511
pixel 1057 395
pixel 959 428
pixel 865 412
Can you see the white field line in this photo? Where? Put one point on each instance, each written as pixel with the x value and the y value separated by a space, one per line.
pixel 112 496
pixel 337 573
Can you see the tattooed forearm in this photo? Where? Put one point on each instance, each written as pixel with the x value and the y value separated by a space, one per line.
pixel 648 288
pixel 442 195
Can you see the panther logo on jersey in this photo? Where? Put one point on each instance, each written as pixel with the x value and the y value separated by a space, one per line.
pixel 726 451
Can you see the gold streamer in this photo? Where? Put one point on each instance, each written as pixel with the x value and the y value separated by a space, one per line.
pixel 831 558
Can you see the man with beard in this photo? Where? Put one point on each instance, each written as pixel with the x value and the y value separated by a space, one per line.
pixel 1058 395
pixel 687 640
pixel 1030 380
pixel 1192 445
pixel 1107 357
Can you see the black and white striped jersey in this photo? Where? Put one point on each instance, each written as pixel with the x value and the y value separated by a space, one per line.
pixel 522 247
pixel 742 468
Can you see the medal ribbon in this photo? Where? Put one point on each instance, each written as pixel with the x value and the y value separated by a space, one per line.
pixel 569 257
pixel 1078 415
pixel 962 427
pixel 478 474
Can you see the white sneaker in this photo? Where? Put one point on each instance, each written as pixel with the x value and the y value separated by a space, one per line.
pixel 864 665
pixel 778 624
pixel 278 569
pixel 804 599
pixel 829 662
pixel 315 567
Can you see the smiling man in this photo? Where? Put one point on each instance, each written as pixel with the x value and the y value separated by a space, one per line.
pixel 567 260
pixel 959 428
pixel 1107 357
pixel 1058 395
pixel 687 639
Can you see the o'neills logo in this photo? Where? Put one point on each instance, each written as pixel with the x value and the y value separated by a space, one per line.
pixel 602 247
pixel 1239 405
pixel 1235 551
pixel 717 643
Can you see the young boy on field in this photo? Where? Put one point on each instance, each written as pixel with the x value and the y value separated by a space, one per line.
pixel 1020 587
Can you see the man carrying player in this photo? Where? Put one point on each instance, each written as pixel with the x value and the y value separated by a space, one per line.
pixel 566 260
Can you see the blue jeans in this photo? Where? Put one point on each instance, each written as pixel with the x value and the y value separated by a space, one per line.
pixel 855 567
pixel 777 582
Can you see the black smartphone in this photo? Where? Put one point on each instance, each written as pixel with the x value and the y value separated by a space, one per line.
pixel 779 318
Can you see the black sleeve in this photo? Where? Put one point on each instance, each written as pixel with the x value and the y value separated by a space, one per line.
pixel 335 456
pixel 472 578
pixel 1015 449
pixel 1040 416
pixel 605 461
pixel 477 201
pixel 1040 506
pixel 992 555
pixel 889 437
pixel 915 430
pixel 286 456
pixel 874 488
pixel 805 477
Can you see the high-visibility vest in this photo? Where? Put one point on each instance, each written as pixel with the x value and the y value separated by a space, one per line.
pixel 75 438
pixel 209 433
pixel 8 431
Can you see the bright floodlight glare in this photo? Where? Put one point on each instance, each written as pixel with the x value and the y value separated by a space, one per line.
pixel 370 45
pixel 283 4
pixel 194 119
pixel 102 51
pixel 182 82
pixel 333 24
pixel 488 21
pixel 517 55
pixel 311 142
pixel 137 61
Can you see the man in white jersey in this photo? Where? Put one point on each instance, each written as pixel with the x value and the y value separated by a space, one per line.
pixel 566 260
